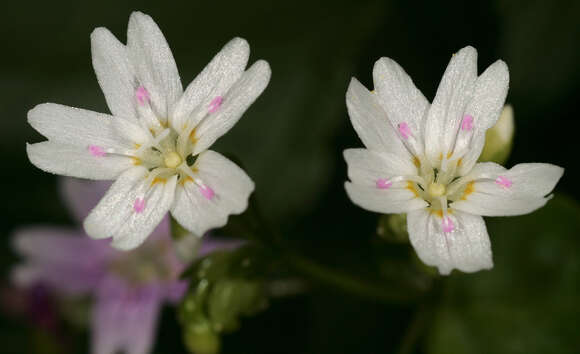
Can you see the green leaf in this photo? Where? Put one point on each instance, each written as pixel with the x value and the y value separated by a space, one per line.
pixel 528 303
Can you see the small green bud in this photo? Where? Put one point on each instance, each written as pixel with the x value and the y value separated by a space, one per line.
pixel 232 298
pixel 393 228
pixel 199 338
pixel 498 139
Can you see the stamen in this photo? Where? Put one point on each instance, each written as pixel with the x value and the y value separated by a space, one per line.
pixel 97 151
pixel 215 104
pixel 447 224
pixel 384 183
pixel 503 181
pixel 404 130
pixel 142 95
pixel 206 191
pixel 467 123
pixel 139 205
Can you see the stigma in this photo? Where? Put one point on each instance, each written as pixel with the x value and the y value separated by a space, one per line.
pixel 172 159
pixel 436 190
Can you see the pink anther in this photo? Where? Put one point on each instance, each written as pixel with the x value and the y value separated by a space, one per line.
pixel 139 205
pixel 384 183
pixel 467 122
pixel 207 192
pixel 215 104
pixel 142 95
pixel 404 130
pixel 97 151
pixel 447 224
pixel 503 181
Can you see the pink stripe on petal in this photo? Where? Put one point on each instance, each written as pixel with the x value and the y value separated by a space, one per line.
pixel 467 122
pixel 97 151
pixel 207 192
pixel 404 130
pixel 215 104
pixel 503 181
pixel 447 224
pixel 142 95
pixel 384 183
pixel 139 205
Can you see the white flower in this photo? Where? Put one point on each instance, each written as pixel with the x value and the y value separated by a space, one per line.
pixel 156 142
pixel 421 160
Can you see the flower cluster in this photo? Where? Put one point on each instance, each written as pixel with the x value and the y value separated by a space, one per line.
pixel 420 158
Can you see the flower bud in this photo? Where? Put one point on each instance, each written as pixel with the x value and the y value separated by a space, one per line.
pixel 498 139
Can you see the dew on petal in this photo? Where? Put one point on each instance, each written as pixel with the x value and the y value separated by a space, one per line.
pixel 142 95
pixel 97 151
pixel 404 130
pixel 207 192
pixel 503 181
pixel 384 183
pixel 467 122
pixel 447 224
pixel 215 104
pixel 139 205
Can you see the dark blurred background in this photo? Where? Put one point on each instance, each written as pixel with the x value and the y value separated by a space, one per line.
pixel 291 141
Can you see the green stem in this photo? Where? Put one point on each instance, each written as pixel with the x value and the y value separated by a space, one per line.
pixel 347 282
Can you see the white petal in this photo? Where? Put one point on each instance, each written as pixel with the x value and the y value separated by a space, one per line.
pixel 466 248
pixel 117 214
pixel 235 102
pixel 399 97
pixel 396 199
pixel 232 188
pixel 153 62
pixel 114 73
pixel 74 161
pixel 370 121
pixel 80 127
pixel 365 167
pixel 215 80
pixel 116 205
pixel 138 226
pixel 524 190
pixel 447 110
pixel 485 107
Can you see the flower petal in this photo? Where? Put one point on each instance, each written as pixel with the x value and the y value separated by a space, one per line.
pixel 396 199
pixel 114 73
pixel 79 127
pixel 399 97
pixel 447 110
pixel 214 81
pixel 485 107
pixel 131 209
pixel 153 62
pixel 135 229
pixel 466 247
pixel 124 318
pixel 61 258
pixel 500 192
pixel 76 161
pixel 370 121
pixel 232 188
pixel 235 102
pixel 366 167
